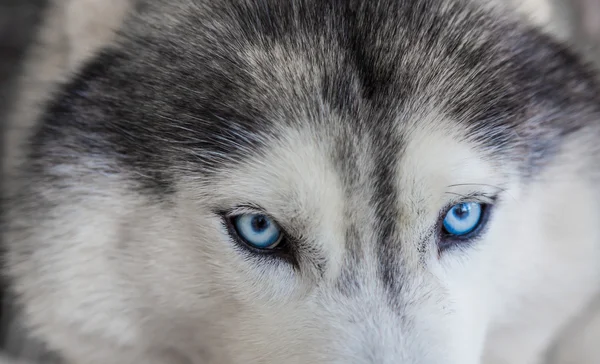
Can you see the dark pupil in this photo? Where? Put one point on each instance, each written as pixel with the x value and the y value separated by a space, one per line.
pixel 260 223
pixel 461 211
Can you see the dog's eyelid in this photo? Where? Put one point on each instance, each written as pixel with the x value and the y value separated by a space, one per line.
pixel 481 197
pixel 247 208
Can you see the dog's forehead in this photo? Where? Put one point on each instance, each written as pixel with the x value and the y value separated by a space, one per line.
pixel 228 77
pixel 371 62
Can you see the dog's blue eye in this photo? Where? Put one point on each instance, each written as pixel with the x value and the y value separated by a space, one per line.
pixel 258 231
pixel 463 218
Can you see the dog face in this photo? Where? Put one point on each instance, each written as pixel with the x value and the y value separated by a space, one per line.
pixel 308 181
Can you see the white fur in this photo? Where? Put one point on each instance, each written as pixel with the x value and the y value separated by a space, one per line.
pixel 129 280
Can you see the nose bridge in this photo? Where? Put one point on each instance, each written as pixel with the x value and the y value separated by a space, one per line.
pixel 414 327
pixel 368 330
pixel 373 324
pixel 382 308
pixel 361 261
pixel 370 321
pixel 372 268
pixel 373 248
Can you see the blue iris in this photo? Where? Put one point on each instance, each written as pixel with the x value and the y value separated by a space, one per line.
pixel 463 218
pixel 257 230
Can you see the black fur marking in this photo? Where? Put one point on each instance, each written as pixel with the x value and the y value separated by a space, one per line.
pixel 385 203
pixel 348 282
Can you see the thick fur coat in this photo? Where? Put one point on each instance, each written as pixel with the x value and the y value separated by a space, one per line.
pixel 355 125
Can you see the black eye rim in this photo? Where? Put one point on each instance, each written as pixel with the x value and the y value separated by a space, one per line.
pixel 447 240
pixel 282 250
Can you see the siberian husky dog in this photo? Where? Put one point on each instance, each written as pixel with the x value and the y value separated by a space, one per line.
pixel 305 181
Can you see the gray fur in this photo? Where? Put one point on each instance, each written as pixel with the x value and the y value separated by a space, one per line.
pixel 353 123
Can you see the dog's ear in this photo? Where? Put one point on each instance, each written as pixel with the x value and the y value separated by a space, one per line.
pixel 589 19
pixel 70 33
pixel 575 20
pixel 90 24
pixel 585 26
pixel 539 11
